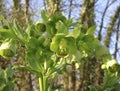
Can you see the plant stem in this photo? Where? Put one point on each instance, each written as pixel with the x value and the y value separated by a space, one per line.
pixel 43 83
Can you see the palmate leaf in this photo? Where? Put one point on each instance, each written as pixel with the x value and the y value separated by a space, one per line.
pixel 27 68
pixel 34 63
pixel 18 32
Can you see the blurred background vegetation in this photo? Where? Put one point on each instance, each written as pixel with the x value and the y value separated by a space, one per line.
pixel 103 13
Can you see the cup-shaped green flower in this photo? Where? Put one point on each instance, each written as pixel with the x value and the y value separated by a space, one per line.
pixel 63 45
pixel 40 27
pixel 7 49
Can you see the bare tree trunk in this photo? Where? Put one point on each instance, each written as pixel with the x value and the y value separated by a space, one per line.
pixel 87 13
pixel 70 8
pixel 52 6
pixel 1 6
pixel 21 17
pixel 27 16
pixel 110 28
pixel 90 70
pixel 18 12
pixel 117 37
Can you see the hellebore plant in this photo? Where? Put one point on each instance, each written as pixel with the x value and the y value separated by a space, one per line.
pixel 46 45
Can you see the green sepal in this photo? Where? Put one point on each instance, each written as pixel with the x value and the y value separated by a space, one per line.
pixel 7 49
pixel 56 41
pixel 40 27
pixel 74 33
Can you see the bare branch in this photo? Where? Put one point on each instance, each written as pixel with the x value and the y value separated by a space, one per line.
pixel 103 16
pixel 117 38
pixel 70 8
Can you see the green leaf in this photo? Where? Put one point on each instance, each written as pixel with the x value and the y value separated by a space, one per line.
pixel 69 22
pixel 71 46
pixel 19 32
pixel 46 43
pixel 4 33
pixel 2 80
pixel 55 17
pixel 44 16
pixel 91 30
pixel 29 28
pixel 27 68
pixel 61 28
pixel 32 43
pixel 74 33
pixel 51 29
pixel 34 63
pixel 100 51
pixel 41 40
pixel 8 87
pixel 9 71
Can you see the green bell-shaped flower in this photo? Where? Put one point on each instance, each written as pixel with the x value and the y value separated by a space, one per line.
pixel 63 45
pixel 7 49
pixel 40 27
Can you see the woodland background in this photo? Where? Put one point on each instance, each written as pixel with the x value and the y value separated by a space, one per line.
pixel 103 13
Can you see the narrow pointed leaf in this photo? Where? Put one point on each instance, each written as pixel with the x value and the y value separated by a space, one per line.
pixel 91 30
pixel 44 16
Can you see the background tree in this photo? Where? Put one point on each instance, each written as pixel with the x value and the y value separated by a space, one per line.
pixel 87 12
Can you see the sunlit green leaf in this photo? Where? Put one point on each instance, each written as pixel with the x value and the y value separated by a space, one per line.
pixel 74 33
pixel 44 16
pixel 61 28
pixel 57 17
pixel 91 30
pixel 4 33
pixel 100 51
